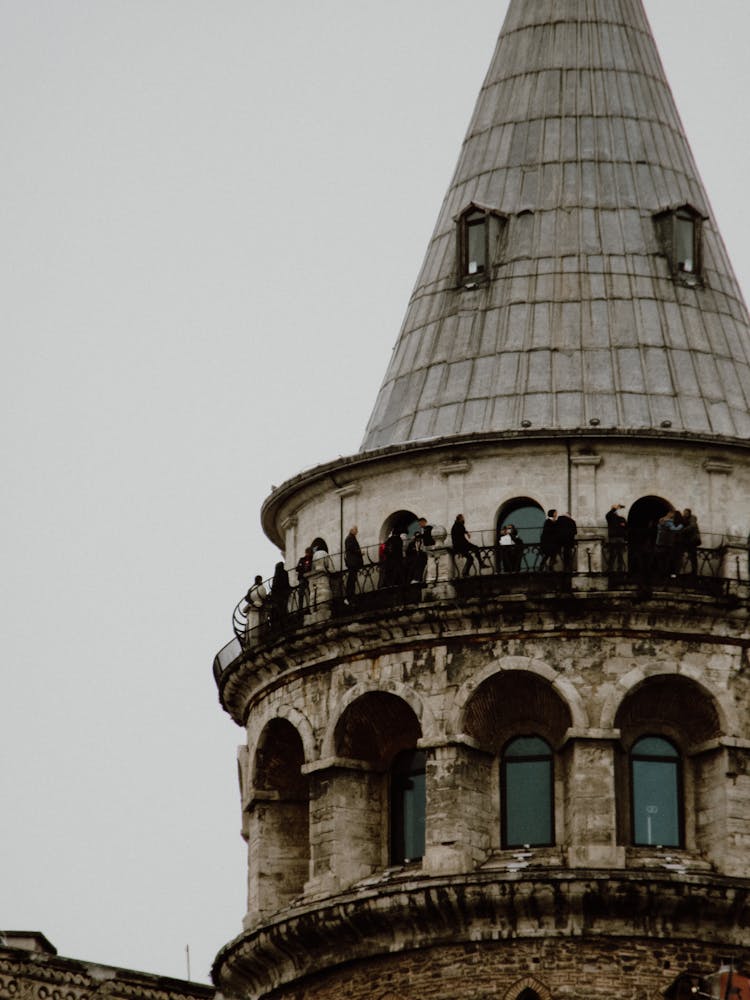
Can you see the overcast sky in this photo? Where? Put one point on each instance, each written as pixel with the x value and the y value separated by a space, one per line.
pixel 212 214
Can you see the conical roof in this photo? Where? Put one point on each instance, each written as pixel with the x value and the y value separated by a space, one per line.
pixel 577 163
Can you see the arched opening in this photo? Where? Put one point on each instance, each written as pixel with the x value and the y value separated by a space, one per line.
pixel 381 730
pixel 669 788
pixel 518 717
pixel 526 516
pixel 279 840
pixel 399 521
pixel 643 518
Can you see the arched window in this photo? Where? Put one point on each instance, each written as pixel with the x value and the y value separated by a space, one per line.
pixel 527 517
pixel 656 793
pixel 407 807
pixel 527 793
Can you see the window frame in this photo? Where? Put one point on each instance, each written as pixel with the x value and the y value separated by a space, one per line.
pixel 667 223
pixel 493 222
pixel 679 787
pixel 549 757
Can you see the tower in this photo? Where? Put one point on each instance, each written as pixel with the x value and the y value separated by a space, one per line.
pixel 521 770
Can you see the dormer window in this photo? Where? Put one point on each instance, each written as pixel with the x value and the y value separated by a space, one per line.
pixel 679 232
pixel 478 231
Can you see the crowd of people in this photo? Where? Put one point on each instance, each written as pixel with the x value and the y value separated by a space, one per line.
pixel 662 546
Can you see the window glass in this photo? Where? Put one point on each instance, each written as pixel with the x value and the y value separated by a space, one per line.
pixel 684 242
pixel 408 806
pixel 527 793
pixel 656 793
pixel 476 243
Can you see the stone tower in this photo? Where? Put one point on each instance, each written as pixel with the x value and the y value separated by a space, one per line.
pixel 520 770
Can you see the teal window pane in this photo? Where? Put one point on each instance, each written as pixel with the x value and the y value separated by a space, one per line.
pixel 527 792
pixel 684 232
pixel 528 801
pixel 654 746
pixel 408 801
pixel 527 746
pixel 414 810
pixel 476 244
pixel 656 805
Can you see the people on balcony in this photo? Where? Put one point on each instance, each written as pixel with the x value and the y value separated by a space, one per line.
pixel 511 546
pixel 668 550
pixel 690 539
pixel 416 559
pixel 567 530
pixel 392 574
pixel 462 546
pixel 354 562
pixel 550 542
pixel 617 534
pixel 257 594
pixel 280 594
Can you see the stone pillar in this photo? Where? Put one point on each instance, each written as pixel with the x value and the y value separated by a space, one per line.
pixel 454 473
pixel 440 570
pixel 590 808
pixel 289 527
pixel 319 591
pixel 460 812
pixel 718 486
pixel 278 841
pixel 585 501
pixel 721 772
pixel 348 826
pixel 349 511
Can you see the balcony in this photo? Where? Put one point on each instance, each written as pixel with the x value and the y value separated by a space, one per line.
pixel 329 593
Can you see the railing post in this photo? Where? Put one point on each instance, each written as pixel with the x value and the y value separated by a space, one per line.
pixel 319 591
pixel 734 568
pixel 589 574
pixel 440 570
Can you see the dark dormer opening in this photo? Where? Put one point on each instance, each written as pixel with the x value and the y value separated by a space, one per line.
pixel 478 237
pixel 679 232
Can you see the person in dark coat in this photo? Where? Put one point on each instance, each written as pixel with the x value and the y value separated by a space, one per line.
pixel 462 546
pixel 353 561
pixel 280 591
pixel 549 543
pixel 617 532
pixel 567 530
pixel 393 560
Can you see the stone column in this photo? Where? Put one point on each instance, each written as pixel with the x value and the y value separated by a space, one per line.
pixel 459 814
pixel 718 486
pixel 348 827
pixel 277 835
pixel 454 473
pixel 721 772
pixel 590 833
pixel 585 501
pixel 319 591
pixel 349 510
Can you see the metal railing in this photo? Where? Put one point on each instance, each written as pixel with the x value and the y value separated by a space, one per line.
pixel 330 592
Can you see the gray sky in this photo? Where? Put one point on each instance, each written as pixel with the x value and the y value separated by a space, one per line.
pixel 212 217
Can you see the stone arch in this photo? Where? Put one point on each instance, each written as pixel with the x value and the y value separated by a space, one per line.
pixel 375 727
pixel 726 717
pixel 561 686
pixel 397 521
pixel 669 709
pixel 292 715
pixel 526 513
pixel 510 701
pixel 400 691
pixel 522 989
